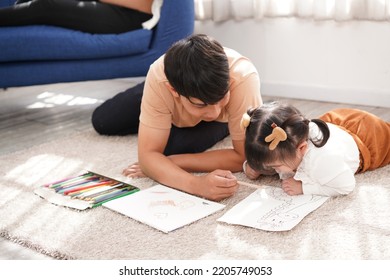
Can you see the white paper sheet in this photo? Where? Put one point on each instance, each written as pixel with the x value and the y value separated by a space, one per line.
pixel 164 208
pixel 271 209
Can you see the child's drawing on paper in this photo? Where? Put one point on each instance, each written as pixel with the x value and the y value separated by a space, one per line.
pixel 276 221
pixel 164 208
pixel 272 209
pixel 161 208
pixel 287 211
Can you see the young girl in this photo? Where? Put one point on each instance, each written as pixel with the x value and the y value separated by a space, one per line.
pixel 318 156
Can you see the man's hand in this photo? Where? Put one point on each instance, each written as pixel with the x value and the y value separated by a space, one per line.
pixel 216 185
pixel 133 171
pixel 292 186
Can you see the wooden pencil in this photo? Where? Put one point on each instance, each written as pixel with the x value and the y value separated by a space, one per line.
pixel 249 184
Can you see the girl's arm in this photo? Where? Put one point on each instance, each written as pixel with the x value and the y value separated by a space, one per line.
pixel 329 175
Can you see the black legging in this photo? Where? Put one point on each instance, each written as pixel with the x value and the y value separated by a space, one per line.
pixel 120 116
pixel 86 16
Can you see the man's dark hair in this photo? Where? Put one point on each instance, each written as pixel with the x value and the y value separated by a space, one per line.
pixel 198 67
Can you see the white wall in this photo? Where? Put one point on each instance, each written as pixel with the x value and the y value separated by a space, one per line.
pixel 321 60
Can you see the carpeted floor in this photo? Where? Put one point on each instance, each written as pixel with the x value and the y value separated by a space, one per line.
pixel 356 226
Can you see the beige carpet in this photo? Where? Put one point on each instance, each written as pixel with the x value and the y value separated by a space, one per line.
pixel 351 227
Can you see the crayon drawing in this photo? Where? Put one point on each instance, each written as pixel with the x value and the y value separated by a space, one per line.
pixel 272 209
pixel 164 208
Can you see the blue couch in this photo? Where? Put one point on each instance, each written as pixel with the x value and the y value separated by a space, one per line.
pixel 41 54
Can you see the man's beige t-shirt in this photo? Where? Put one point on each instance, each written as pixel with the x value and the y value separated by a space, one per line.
pixel 160 109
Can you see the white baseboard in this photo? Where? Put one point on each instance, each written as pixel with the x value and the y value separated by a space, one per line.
pixel 368 97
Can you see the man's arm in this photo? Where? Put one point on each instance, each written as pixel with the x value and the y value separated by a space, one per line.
pixel 227 159
pixel 216 185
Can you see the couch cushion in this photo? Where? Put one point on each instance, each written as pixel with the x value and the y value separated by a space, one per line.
pixel 6 3
pixel 27 42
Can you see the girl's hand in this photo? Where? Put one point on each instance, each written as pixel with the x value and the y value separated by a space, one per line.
pixel 249 172
pixel 133 171
pixel 292 186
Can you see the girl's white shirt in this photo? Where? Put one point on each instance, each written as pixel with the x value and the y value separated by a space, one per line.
pixel 329 170
pixel 156 11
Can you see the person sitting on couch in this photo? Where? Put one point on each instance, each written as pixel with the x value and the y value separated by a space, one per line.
pixel 97 17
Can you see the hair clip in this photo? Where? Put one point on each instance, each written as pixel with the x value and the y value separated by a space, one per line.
pixel 245 121
pixel 278 135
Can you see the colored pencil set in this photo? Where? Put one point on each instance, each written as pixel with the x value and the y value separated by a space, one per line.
pixel 91 188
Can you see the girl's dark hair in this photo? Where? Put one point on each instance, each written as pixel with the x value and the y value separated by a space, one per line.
pixel 294 124
pixel 198 67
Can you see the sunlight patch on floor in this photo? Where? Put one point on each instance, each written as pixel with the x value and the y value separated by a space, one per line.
pixel 50 99
pixel 38 167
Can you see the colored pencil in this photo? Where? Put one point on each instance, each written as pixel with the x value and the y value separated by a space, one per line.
pixel 109 195
pixel 73 183
pixel 65 179
pixel 83 187
pixel 93 188
pixel 98 191
pixel 124 194
pixel 249 184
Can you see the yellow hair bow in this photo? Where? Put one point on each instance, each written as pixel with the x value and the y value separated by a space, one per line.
pixel 278 135
pixel 245 121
